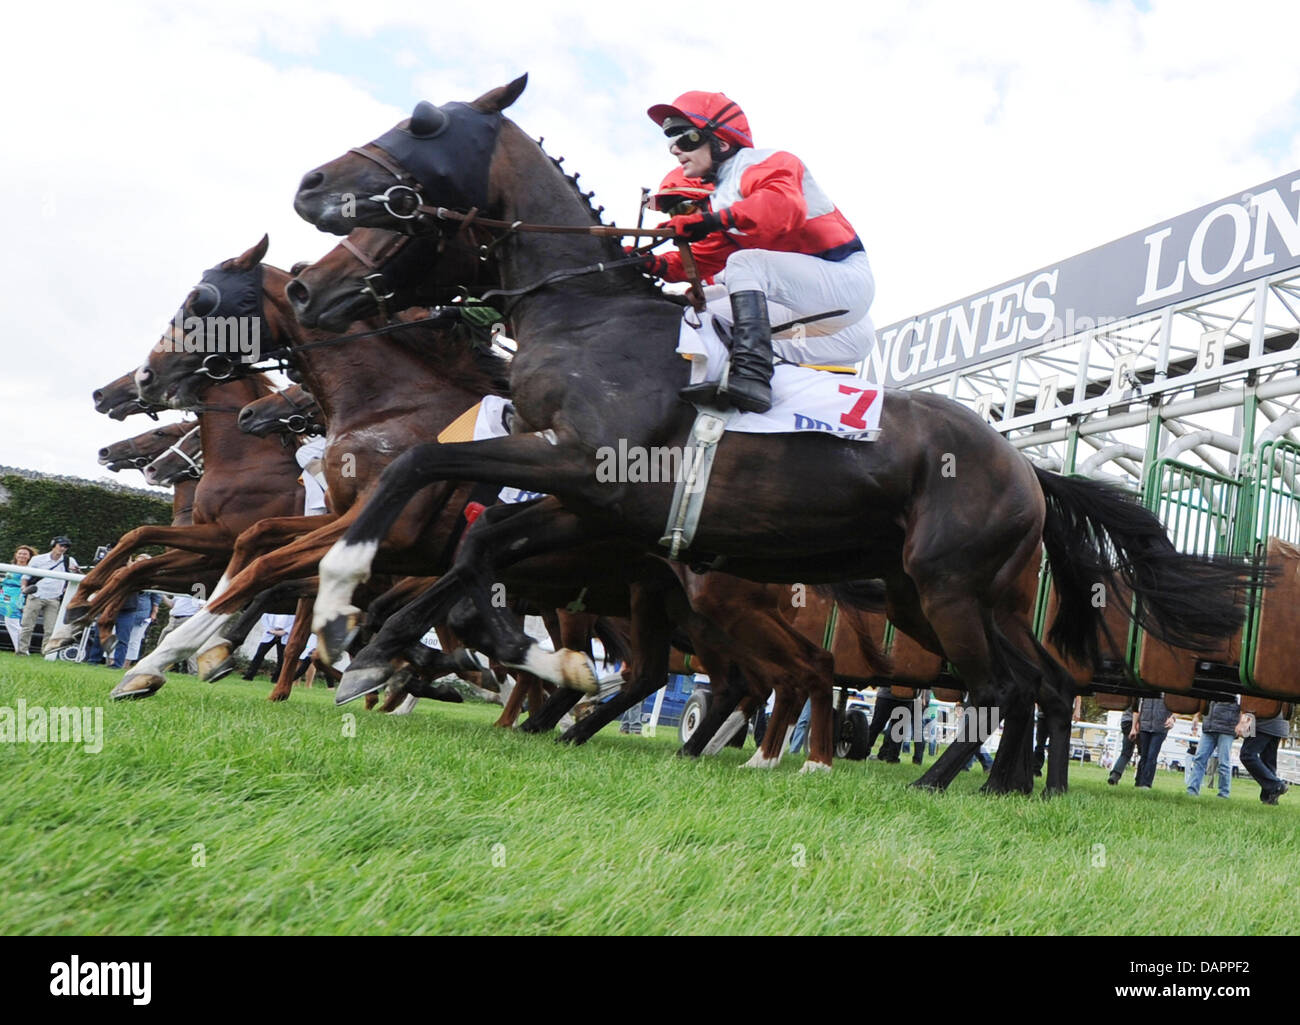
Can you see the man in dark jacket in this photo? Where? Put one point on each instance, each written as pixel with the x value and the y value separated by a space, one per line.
pixel 1151 726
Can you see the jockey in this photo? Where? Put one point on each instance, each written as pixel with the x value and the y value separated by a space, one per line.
pixel 775 240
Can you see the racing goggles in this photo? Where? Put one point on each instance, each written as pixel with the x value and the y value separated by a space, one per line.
pixel 684 135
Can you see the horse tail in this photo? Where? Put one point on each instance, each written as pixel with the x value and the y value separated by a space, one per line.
pixel 862 596
pixel 613 638
pixel 1102 544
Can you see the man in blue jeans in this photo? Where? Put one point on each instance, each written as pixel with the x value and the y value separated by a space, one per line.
pixel 1216 739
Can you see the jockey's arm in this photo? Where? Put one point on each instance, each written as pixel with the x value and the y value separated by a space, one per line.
pixel 773 202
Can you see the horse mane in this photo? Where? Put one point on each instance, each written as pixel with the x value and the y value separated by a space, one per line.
pixel 645 285
pixel 461 353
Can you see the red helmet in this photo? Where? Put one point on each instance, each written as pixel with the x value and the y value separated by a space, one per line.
pixel 711 112
pixel 678 188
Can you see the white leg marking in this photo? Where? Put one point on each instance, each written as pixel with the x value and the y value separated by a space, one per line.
pixel 341 570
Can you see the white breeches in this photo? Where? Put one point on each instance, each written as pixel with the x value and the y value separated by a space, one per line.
pixel 798 285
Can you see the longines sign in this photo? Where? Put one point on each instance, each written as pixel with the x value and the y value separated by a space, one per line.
pixel 1237 239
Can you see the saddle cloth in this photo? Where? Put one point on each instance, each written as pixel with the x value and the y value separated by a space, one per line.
pixel 803 399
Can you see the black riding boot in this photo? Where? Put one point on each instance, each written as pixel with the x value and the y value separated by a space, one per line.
pixel 748 386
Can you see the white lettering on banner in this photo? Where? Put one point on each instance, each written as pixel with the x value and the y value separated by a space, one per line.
pixel 1001 316
pixel 1025 310
pixel 1269 208
pixel 1240 240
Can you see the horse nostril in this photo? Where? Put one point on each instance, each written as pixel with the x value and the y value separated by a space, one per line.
pixel 103 453
pixel 298 294
pixel 144 375
pixel 97 395
pixel 245 418
pixel 311 180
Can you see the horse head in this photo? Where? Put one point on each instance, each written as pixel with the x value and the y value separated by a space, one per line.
pixel 291 411
pixel 439 155
pixel 119 399
pixel 374 272
pixel 138 451
pixel 182 460
pixel 220 331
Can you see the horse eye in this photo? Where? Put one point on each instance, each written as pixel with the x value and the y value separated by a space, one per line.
pixel 205 301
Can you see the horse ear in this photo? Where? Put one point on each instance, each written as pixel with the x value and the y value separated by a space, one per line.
pixel 494 101
pixel 426 120
pixel 253 257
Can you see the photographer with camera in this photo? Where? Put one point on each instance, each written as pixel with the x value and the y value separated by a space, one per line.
pixel 44 594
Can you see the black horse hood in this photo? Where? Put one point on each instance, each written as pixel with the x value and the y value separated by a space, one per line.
pixel 448 150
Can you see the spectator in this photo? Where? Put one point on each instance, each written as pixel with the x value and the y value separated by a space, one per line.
pixel 1216 739
pixel 918 721
pixel 882 718
pixel 12 597
pixel 45 594
pixel 136 610
pixel 275 630
pixel 1127 744
pixel 1259 752
pixel 800 733
pixel 1150 727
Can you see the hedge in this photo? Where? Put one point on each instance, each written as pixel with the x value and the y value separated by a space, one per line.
pixel 34 509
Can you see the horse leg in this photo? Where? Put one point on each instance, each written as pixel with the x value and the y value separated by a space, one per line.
pixel 500 537
pixel 209 539
pixel 294 646
pixel 542 462
pixel 652 641
pixel 515 703
pixel 216 656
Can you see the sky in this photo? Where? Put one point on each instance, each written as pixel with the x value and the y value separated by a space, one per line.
pixel 967 143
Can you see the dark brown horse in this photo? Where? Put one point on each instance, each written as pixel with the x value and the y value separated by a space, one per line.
pixel 942 508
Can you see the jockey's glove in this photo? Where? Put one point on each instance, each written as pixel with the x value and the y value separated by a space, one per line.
pixel 694 227
pixel 651 263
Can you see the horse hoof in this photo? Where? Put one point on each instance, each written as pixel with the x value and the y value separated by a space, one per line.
pixel 222 670
pixel 406 707
pixel 138 685
pixel 810 767
pixel 357 683
pixel 212 659
pixel 278 695
pixel 63 637
pixel 336 634
pixel 579 672
pixel 759 762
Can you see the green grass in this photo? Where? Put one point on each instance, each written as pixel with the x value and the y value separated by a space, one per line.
pixel 438 823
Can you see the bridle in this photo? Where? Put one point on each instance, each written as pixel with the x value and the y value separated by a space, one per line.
pixel 194 469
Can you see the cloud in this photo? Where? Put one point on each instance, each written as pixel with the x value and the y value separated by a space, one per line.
pixel 967 143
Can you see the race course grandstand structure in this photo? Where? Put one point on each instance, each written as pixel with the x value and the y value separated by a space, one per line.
pixel 1165 361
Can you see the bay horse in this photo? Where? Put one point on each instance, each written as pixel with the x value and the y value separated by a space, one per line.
pixel 119 399
pixel 244 480
pixel 290 411
pixel 942 509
